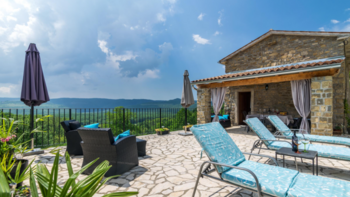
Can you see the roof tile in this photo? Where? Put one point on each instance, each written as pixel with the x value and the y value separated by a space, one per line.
pixel 273 69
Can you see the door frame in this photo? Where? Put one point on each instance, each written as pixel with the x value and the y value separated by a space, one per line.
pixel 251 90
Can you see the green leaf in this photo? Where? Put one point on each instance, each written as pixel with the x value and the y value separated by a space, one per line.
pixel 33 188
pixel 69 167
pixel 54 176
pixel 4 186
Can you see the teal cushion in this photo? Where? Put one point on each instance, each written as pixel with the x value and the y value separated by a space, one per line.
pixel 280 126
pixel 225 116
pixel 334 152
pixel 221 118
pixel 124 134
pixel 273 180
pixel 325 139
pixel 218 145
pixel 306 185
pixel 257 126
pixel 92 126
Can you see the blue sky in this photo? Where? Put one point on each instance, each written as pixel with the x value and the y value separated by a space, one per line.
pixel 139 49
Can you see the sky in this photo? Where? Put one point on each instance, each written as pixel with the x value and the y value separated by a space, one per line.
pixel 135 49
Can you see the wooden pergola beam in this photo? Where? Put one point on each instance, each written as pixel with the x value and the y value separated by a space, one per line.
pixel 272 79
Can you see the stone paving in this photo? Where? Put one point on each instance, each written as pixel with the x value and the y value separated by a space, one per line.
pixel 172 163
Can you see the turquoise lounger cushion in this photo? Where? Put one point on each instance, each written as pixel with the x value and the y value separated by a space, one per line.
pixel 273 180
pixel 257 126
pixel 325 139
pixel 92 126
pixel 334 152
pixel 277 122
pixel 218 145
pixel 306 185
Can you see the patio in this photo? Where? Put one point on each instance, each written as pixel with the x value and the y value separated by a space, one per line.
pixel 172 163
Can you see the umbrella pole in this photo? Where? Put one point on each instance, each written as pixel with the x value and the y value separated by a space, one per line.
pixel 186 119
pixel 32 152
pixel 32 125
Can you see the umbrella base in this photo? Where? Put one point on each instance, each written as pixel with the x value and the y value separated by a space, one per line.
pixel 186 133
pixel 33 152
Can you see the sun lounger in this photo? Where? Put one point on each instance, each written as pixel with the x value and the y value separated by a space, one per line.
pixel 232 168
pixel 285 132
pixel 272 143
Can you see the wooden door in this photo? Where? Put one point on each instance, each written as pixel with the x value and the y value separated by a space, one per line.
pixel 243 105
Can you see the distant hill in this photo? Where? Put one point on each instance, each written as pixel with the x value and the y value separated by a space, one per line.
pixel 96 103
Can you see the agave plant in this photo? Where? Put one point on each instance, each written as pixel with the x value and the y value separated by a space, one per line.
pixel 48 181
pixel 85 188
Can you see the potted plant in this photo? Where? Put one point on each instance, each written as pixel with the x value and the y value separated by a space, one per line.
pixel 188 127
pixel 12 149
pixel 337 130
pixel 162 131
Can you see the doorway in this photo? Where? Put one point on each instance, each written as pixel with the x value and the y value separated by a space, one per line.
pixel 244 107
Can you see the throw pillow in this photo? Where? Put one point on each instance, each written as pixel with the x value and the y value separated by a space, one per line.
pixel 92 126
pixel 225 116
pixel 74 125
pixel 124 134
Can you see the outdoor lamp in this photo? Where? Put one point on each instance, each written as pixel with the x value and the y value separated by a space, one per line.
pixel 266 87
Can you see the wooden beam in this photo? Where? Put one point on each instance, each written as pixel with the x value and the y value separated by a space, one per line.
pixel 272 79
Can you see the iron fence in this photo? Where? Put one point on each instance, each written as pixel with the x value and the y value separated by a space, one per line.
pixel 140 121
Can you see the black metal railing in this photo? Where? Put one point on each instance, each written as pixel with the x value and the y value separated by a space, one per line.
pixel 140 121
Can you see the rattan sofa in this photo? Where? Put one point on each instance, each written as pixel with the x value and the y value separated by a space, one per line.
pixel 99 143
pixel 73 139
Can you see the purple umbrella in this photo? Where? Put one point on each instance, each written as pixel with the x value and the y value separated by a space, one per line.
pixel 34 91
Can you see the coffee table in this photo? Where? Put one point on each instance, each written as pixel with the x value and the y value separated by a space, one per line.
pixel 312 155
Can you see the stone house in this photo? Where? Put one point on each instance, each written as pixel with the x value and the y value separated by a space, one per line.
pixel 258 77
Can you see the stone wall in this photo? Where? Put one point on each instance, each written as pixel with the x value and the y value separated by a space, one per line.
pixel 203 105
pixel 280 49
pixel 322 106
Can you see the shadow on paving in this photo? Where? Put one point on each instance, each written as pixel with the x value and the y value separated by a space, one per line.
pixel 125 179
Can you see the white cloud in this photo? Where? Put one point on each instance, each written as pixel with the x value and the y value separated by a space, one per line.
pixel 197 38
pixel 2 30
pixel 5 90
pixel 11 18
pixel 321 29
pixel 347 9
pixel 172 1
pixel 152 74
pixel 217 33
pixel 334 21
pixel 103 46
pixel 220 17
pixel 160 17
pixel 200 17
pixel 347 21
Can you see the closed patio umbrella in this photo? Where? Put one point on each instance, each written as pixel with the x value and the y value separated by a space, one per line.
pixel 187 97
pixel 34 91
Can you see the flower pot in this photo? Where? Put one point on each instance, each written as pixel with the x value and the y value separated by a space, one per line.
pixel 162 132
pixel 337 132
pixel 23 167
pixel 23 192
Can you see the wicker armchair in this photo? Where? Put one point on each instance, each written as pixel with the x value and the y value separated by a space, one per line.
pixel 73 139
pixel 99 143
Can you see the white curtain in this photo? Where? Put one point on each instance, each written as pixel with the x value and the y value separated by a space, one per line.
pixel 301 92
pixel 217 98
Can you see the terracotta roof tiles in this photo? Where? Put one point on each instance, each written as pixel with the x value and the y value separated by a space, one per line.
pixel 274 69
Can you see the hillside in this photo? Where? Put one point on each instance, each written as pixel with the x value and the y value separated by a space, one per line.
pixel 96 103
